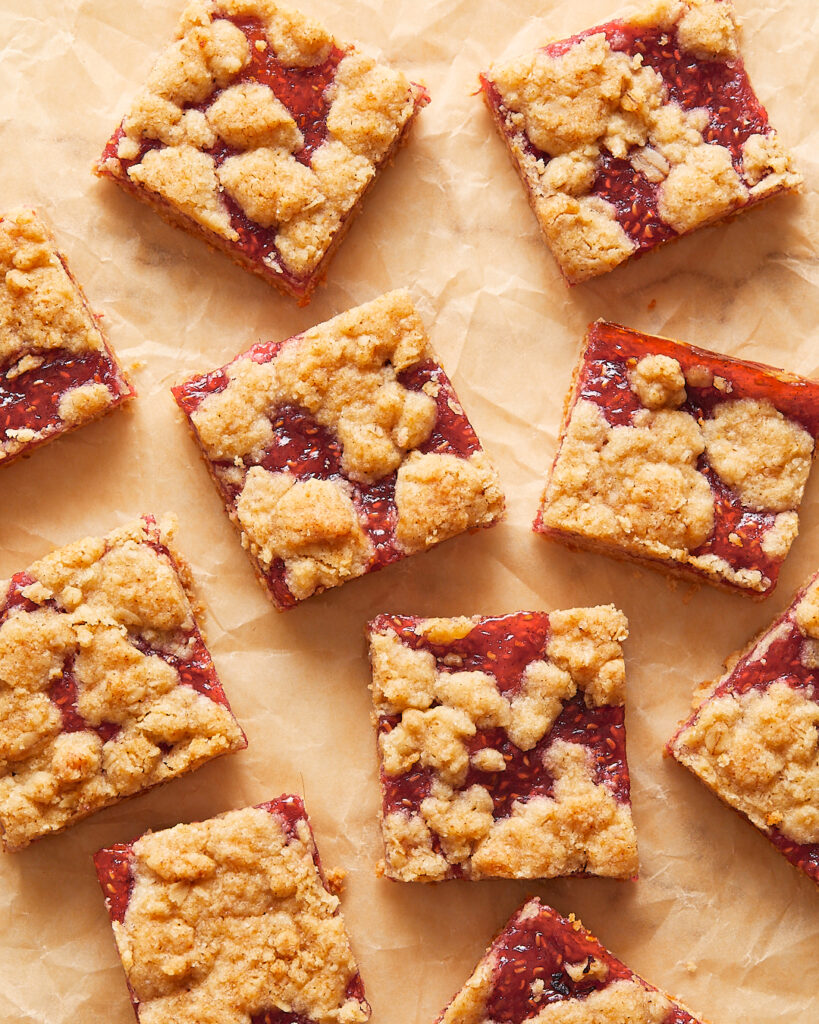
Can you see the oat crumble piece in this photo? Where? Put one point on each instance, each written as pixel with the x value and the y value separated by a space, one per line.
pixel 753 737
pixel 681 459
pixel 106 686
pixel 232 920
pixel 502 745
pixel 57 370
pixel 637 132
pixel 340 450
pixel 547 969
pixel 260 133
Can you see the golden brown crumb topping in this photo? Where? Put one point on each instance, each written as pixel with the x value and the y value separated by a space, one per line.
pixel 369 105
pixel 759 751
pixel 345 374
pixel 229 918
pixel 92 600
pixel 440 496
pixel 581 828
pixel 591 101
pixel 636 485
pixel 41 308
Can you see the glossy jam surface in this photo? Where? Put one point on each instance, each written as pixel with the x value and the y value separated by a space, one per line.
pixel 611 354
pixel 782 663
pixel 116 878
pixel 504 646
pixel 720 87
pixel 307 450
pixel 538 948
pixel 31 400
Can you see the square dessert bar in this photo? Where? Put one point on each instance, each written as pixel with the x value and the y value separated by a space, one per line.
pixel 57 371
pixel 232 919
pixel 636 132
pixel 340 450
pixel 681 459
pixel 260 133
pixel 753 738
pixel 547 969
pixel 502 745
pixel 106 686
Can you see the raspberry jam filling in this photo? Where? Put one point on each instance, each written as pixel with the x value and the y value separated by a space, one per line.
pixel 30 401
pixel 537 949
pixel 307 450
pixel 720 87
pixel 613 351
pixel 504 646
pixel 302 90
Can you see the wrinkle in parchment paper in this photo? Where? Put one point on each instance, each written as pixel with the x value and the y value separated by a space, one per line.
pixel 718 917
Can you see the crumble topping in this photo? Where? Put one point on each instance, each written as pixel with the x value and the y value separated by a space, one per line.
pixel 40 307
pixel 767 165
pixel 229 918
pixel 623 1000
pixel 440 496
pixel 249 115
pixel 311 524
pixel 269 185
pixel 83 403
pixel 186 177
pixel 633 485
pixel 759 751
pixel 101 602
pixel 304 203
pixel 706 28
pixel 581 827
pixel 366 128
pixel 759 453
pixel 658 382
pixel 700 189
pixel 565 115
pixel 585 642
pixel 297 40
pixel 806 612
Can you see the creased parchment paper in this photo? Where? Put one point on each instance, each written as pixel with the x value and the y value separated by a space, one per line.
pixel 718 917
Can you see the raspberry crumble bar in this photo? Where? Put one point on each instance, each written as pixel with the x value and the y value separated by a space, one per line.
pixel 547 969
pixel 340 450
pixel 232 920
pixel 636 132
pixel 106 686
pixel 260 133
pixel 681 459
pixel 502 745
pixel 57 371
pixel 753 738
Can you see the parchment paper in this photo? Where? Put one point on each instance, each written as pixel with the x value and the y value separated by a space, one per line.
pixel 718 917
